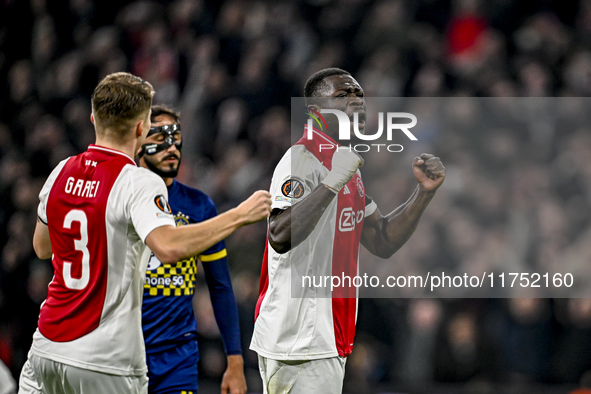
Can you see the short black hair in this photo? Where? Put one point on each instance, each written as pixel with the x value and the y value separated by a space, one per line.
pixel 161 109
pixel 315 84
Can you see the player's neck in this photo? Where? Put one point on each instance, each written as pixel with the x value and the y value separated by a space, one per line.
pixel 129 147
pixel 168 181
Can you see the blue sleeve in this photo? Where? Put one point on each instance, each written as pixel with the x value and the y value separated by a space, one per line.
pixel 218 250
pixel 217 275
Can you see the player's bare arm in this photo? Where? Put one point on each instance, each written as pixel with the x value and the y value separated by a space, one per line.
pixel 171 244
pixel 384 235
pixel 233 381
pixel 308 212
pixel 41 241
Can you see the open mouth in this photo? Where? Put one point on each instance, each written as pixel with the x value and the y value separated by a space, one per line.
pixel 361 117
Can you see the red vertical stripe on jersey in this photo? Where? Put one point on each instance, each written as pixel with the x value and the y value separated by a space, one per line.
pixel 264 282
pixel 345 254
pixel 69 313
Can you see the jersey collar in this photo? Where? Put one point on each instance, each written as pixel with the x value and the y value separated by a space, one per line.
pixel 112 151
pixel 313 146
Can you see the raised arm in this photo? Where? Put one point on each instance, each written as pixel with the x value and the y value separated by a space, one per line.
pixel 384 235
pixel 171 244
pixel 306 213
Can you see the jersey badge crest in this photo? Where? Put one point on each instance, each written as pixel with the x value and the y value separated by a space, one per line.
pixel 162 204
pixel 292 188
pixel 180 219
pixel 360 187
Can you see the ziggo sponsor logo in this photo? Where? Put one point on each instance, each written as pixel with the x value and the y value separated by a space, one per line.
pixel 348 219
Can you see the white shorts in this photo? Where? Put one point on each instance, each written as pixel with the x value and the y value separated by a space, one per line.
pixel 40 375
pixel 322 376
pixel 7 383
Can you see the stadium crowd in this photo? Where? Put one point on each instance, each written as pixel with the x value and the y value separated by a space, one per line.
pixel 513 198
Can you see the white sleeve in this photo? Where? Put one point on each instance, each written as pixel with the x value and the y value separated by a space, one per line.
pixel 44 193
pixel 149 207
pixel 370 208
pixel 294 178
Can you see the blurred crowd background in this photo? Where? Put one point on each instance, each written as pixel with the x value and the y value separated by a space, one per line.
pixel 522 199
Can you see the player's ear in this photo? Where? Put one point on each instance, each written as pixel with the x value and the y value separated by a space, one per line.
pixel 139 129
pixel 92 117
pixel 314 107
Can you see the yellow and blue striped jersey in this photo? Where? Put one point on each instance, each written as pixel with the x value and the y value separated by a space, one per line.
pixel 167 310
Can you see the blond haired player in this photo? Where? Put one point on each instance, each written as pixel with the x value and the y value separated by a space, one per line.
pixel 97 213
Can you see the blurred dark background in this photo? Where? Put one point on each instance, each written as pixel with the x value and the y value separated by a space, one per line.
pixel 231 68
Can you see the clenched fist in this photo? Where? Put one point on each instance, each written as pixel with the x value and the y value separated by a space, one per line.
pixel 429 171
pixel 344 166
pixel 256 207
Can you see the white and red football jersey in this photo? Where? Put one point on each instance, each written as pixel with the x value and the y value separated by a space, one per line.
pixel 306 322
pixel 99 207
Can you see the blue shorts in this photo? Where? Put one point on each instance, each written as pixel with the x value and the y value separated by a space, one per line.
pixel 174 370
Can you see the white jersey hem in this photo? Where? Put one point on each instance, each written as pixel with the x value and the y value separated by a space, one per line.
pixel 292 356
pixel 89 366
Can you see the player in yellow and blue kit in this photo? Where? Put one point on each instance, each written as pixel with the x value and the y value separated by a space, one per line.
pixel 169 325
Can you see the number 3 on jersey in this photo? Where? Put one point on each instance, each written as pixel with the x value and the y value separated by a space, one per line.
pixel 79 216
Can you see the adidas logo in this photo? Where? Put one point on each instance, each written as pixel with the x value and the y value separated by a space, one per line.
pixel 347 191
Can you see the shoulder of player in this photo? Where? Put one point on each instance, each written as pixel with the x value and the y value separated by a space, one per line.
pixel 194 194
pixel 137 177
pixel 191 201
pixel 141 172
pixel 300 163
pixel 60 167
pixel 55 174
pixel 297 155
pixel 298 150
